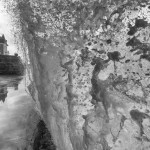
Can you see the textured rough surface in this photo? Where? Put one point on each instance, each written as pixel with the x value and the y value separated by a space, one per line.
pixel 93 86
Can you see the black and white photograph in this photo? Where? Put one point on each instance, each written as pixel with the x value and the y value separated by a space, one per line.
pixel 74 74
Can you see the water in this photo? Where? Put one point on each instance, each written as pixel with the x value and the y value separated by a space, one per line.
pixel 15 105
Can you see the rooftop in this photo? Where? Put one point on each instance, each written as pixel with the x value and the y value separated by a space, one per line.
pixel 2 39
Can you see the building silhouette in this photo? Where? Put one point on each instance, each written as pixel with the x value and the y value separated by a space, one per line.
pixel 3 46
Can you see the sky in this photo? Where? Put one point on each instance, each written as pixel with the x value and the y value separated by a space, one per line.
pixel 5 28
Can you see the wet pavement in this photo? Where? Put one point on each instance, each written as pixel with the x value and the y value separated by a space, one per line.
pixel 15 104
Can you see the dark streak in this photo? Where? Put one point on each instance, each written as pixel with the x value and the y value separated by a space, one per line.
pixel 133 42
pixel 138 117
pixel 139 23
pixel 105 144
pixel 84 55
pixel 128 60
pixel 98 92
pixel 123 118
pixel 144 56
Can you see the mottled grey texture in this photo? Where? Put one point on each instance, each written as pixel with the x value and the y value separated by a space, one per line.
pixel 91 75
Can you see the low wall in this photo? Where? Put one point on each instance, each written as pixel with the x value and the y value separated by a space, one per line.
pixel 11 65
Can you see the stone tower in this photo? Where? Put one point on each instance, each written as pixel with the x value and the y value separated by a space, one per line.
pixel 3 45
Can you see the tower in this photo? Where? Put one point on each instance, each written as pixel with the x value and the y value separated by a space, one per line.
pixel 3 45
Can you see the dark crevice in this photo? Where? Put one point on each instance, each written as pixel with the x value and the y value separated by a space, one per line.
pixel 43 139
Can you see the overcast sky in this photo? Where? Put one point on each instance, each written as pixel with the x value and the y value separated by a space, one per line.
pixel 5 28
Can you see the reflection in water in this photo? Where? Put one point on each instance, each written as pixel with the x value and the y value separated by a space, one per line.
pixel 3 93
pixel 15 106
pixel 3 88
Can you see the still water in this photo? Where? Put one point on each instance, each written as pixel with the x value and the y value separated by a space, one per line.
pixel 15 105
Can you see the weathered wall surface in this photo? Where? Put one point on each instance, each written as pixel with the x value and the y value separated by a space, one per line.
pixel 93 90
pixel 46 73
pixel 31 129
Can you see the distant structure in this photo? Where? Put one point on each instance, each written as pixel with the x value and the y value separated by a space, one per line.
pixel 3 93
pixel 9 64
pixel 3 46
